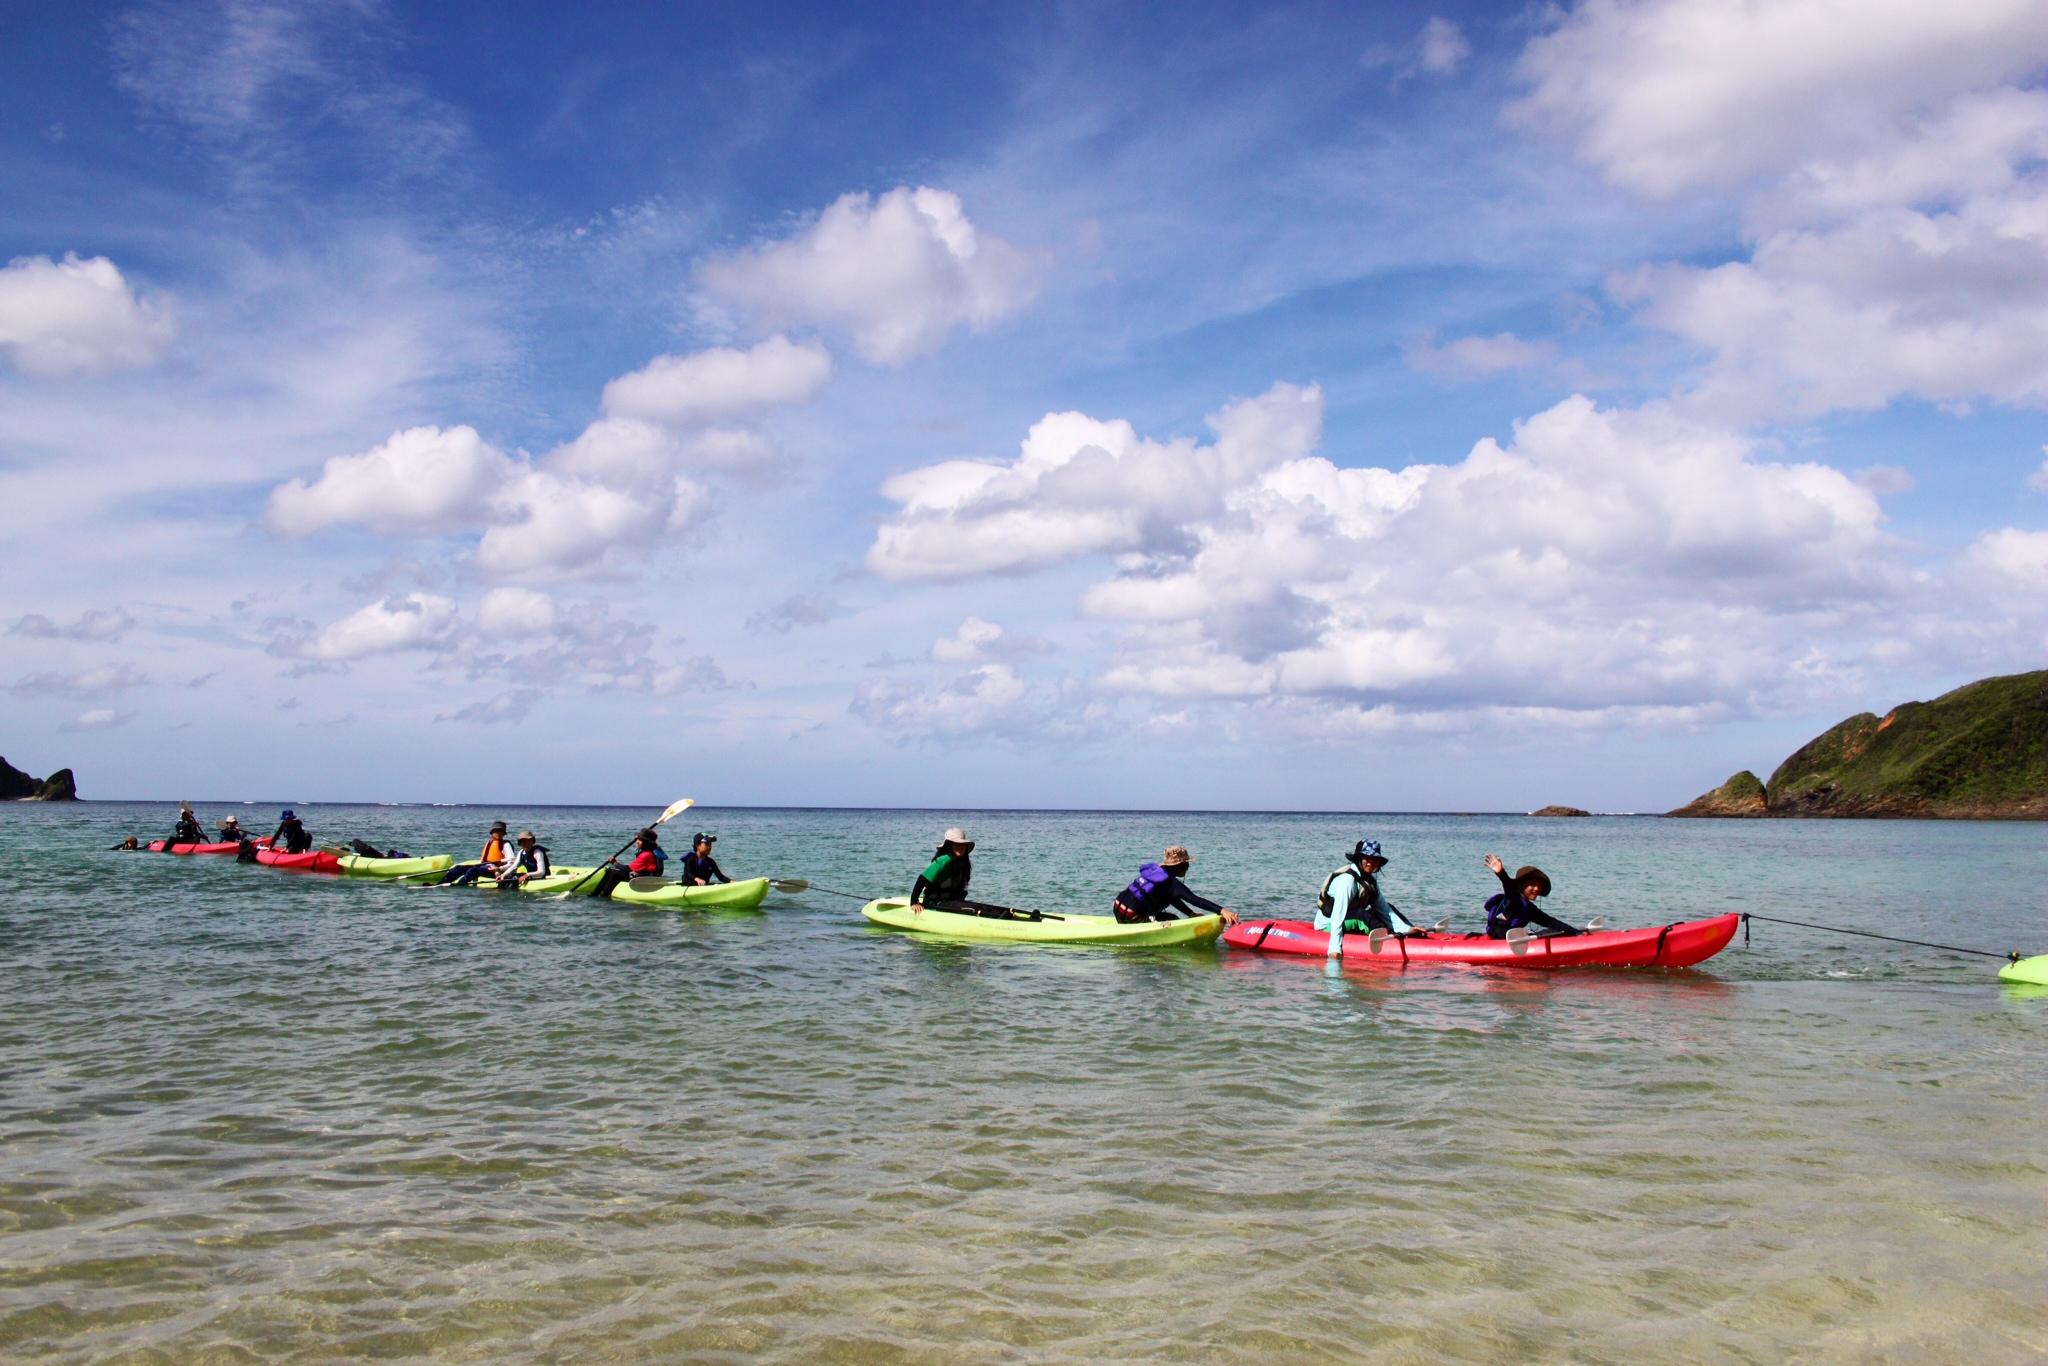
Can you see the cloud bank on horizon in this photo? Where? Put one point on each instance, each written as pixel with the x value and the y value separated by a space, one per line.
pixel 1142 411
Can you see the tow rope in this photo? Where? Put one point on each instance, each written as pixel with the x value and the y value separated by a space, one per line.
pixel 1747 916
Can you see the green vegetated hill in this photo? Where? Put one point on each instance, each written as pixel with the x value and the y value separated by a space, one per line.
pixel 1980 751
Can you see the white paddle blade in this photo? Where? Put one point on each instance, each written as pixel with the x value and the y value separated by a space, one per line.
pixel 1441 926
pixel 790 886
pixel 1518 936
pixel 1377 940
pixel 648 884
pixel 675 809
pixel 1598 922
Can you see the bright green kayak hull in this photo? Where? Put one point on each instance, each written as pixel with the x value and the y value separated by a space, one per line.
pixel 898 914
pixel 356 865
pixel 744 895
pixel 2033 971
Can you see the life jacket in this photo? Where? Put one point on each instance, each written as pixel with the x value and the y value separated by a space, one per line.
pixel 296 839
pixel 952 883
pixel 494 850
pixel 1325 904
pixel 1149 891
pixel 188 831
pixel 534 860
pixel 656 857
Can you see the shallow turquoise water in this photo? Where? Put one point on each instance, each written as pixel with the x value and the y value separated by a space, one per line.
pixel 245 1113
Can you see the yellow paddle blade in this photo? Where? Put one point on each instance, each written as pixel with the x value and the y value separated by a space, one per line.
pixel 676 809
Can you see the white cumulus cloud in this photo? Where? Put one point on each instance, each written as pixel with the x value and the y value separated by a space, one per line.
pixel 706 386
pixel 1665 96
pixel 410 621
pixel 1081 486
pixel 75 316
pixel 1441 47
pixel 516 612
pixel 898 273
pixel 2010 559
pixel 421 479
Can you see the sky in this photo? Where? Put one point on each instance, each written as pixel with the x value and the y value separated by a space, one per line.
pixel 1453 406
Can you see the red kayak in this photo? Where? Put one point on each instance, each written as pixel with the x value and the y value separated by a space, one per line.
pixel 1660 946
pixel 315 861
pixel 157 847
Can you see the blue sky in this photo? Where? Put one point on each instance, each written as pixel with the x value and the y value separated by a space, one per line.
pixel 1394 407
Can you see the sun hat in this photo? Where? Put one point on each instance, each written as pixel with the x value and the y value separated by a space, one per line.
pixel 1175 855
pixel 1528 873
pixel 497 827
pixel 287 816
pixel 525 835
pixel 1366 849
pixel 958 836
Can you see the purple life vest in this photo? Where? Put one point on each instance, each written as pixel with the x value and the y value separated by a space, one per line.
pixel 1150 890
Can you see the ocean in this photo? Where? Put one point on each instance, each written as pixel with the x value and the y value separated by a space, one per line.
pixel 250 1114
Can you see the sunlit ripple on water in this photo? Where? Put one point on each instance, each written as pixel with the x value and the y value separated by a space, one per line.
pixel 246 1113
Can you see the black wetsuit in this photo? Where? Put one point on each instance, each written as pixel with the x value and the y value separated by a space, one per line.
pixel 1510 910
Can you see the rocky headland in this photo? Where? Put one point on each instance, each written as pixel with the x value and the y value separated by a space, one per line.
pixel 1978 753
pixel 16 786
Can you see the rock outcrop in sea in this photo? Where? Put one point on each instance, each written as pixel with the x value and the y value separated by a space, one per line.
pixel 1978 753
pixel 1559 811
pixel 16 786
pixel 1741 795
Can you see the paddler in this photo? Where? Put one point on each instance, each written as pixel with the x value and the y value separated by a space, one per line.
pixel 230 831
pixel 492 861
pixel 531 861
pixel 1157 893
pixel 649 861
pixel 1351 896
pixel 945 878
pixel 188 830
pixel 291 834
pixel 699 868
pixel 1514 906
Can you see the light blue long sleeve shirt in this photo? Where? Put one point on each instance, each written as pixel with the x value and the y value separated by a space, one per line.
pixel 1347 902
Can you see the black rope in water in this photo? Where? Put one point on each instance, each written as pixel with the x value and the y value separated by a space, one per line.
pixel 850 896
pixel 1748 916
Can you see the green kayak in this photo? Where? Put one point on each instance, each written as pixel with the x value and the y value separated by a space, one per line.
pixel 743 895
pixel 359 865
pixel 898 914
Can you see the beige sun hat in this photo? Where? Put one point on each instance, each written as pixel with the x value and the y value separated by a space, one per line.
pixel 958 836
pixel 1175 854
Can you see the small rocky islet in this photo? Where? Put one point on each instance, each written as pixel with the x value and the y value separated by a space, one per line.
pixel 16 786
pixel 1977 753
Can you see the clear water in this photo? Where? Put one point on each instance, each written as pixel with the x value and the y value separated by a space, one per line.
pixel 250 1114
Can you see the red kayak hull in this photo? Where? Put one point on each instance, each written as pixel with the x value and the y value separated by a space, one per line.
pixel 1679 945
pixel 157 847
pixel 316 861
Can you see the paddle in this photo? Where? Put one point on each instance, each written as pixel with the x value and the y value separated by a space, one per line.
pixel 1519 938
pixel 676 808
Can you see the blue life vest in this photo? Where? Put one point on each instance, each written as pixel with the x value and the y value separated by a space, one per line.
pixel 1151 890
pixel 1504 915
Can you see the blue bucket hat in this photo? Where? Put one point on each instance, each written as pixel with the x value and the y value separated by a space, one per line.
pixel 1366 849
pixel 287 815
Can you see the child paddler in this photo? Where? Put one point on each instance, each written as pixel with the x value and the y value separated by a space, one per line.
pixel 1514 906
pixel 648 861
pixel 1351 896
pixel 489 863
pixel 942 886
pixel 1157 893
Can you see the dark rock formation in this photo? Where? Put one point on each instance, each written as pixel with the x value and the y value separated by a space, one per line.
pixel 16 786
pixel 1559 811
pixel 1978 753
pixel 1741 795
pixel 58 787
